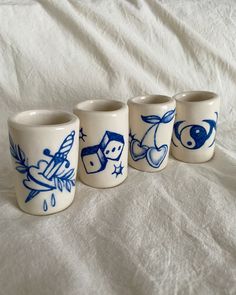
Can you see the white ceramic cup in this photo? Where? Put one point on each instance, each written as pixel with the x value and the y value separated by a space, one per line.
pixel 151 120
pixel 194 130
pixel 44 150
pixel 103 142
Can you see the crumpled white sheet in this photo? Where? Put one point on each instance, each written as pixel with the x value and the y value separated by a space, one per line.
pixel 172 232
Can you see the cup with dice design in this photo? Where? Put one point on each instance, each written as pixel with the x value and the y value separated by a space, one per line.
pixel 103 153
pixel 195 125
pixel 151 120
pixel 44 150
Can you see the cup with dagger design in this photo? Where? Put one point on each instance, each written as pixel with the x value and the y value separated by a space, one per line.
pixel 46 180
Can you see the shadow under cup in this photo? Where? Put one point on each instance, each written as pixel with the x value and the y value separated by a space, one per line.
pixel 194 132
pixel 103 149
pixel 44 150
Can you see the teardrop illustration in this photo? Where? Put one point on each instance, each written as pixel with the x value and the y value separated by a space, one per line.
pixel 53 200
pixel 45 206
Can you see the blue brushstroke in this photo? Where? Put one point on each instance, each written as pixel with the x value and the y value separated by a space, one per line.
pixel 53 200
pixel 154 154
pixel 96 157
pixel 45 206
pixel 46 175
pixel 196 134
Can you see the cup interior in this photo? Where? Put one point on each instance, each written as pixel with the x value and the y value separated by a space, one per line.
pixel 151 99
pixel 42 118
pixel 195 96
pixel 100 105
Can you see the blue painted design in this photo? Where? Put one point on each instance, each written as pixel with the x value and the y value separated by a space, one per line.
pixel 154 154
pixel 93 159
pixel 53 200
pixel 118 170
pixel 194 136
pixel 45 206
pixel 96 157
pixel 46 175
pixel 82 134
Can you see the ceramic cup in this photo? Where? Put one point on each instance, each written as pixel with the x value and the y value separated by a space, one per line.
pixel 194 131
pixel 103 153
pixel 151 120
pixel 44 150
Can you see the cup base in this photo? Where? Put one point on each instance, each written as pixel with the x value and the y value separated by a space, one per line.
pixel 102 187
pixel 193 161
pixel 153 170
pixel 43 213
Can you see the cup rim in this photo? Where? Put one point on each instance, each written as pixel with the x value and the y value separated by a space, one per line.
pixel 158 100
pixel 209 96
pixel 113 106
pixel 17 120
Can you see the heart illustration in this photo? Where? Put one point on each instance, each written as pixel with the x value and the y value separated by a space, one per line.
pixel 36 180
pixel 155 156
pixel 137 150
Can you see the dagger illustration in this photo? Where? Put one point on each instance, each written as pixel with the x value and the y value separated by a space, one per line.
pixel 59 158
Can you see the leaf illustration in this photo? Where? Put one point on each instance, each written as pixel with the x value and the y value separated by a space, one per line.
pixel 68 174
pixel 21 154
pixel 168 116
pixel 151 119
pixel 68 186
pixel 60 184
pixel 60 173
pixel 13 153
pixel 73 182
pixel 12 147
pixel 31 195
pixel 11 141
pixel 22 169
pixel 55 181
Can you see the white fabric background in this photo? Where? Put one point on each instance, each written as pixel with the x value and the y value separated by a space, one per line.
pixel 172 232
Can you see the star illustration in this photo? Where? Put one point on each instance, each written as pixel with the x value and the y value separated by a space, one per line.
pixel 82 134
pixel 118 169
pixel 131 136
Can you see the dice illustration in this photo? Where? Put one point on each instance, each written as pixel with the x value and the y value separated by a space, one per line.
pixel 112 145
pixel 93 159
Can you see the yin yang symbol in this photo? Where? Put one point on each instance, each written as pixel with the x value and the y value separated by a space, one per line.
pixel 194 136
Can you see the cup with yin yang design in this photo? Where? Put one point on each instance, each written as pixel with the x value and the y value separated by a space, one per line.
pixel 194 131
